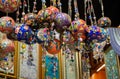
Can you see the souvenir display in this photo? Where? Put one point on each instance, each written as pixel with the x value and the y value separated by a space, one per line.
pixel 9 6
pixel 64 41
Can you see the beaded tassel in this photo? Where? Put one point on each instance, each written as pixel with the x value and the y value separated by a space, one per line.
pixel 69 8
pixel 102 7
pixel 76 10
pixel 34 7
pixel 59 5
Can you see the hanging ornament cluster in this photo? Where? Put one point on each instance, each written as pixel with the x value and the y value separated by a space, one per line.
pixel 52 28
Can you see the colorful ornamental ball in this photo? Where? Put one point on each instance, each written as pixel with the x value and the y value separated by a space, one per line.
pixel 6 24
pixel 30 17
pixel 53 47
pixel 53 10
pixel 7 46
pixel 97 33
pixel 67 37
pixel 25 34
pixel 62 21
pixel 44 15
pixel 13 35
pixel 9 6
pixel 42 35
pixel 79 29
pixel 104 22
pixel 31 21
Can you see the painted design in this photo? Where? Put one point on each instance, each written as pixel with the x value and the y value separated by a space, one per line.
pixel 111 65
pixel 51 67
pixel 7 62
pixel 28 61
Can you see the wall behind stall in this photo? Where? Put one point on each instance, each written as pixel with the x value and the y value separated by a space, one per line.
pixel 99 75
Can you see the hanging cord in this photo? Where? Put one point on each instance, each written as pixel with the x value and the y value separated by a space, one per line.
pixel 85 12
pixel 23 13
pixel 53 3
pixel 43 4
pixel 76 10
pixel 59 5
pixel 18 11
pixel 17 15
pixel 102 7
pixel 69 7
pixel 34 7
pixel 92 10
pixel 28 6
pixel 89 11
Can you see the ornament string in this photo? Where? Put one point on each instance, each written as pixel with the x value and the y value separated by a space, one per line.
pixel 18 11
pixel 102 7
pixel 59 5
pixel 43 4
pixel 76 10
pixel 34 6
pixel 23 13
pixel 85 6
pixel 28 6
pixel 70 8
pixel 92 9
pixel 89 11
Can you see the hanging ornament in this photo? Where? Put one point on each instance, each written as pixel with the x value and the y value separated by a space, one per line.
pixel 9 6
pixel 34 6
pixel 26 35
pixel 53 9
pixel 104 22
pixel 42 35
pixel 43 17
pixel 98 49
pixel 6 24
pixel 97 33
pixel 62 21
pixel 54 12
pixel 13 34
pixel 6 46
pixel 53 47
pixel 79 29
pixel 30 20
pixel 67 37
